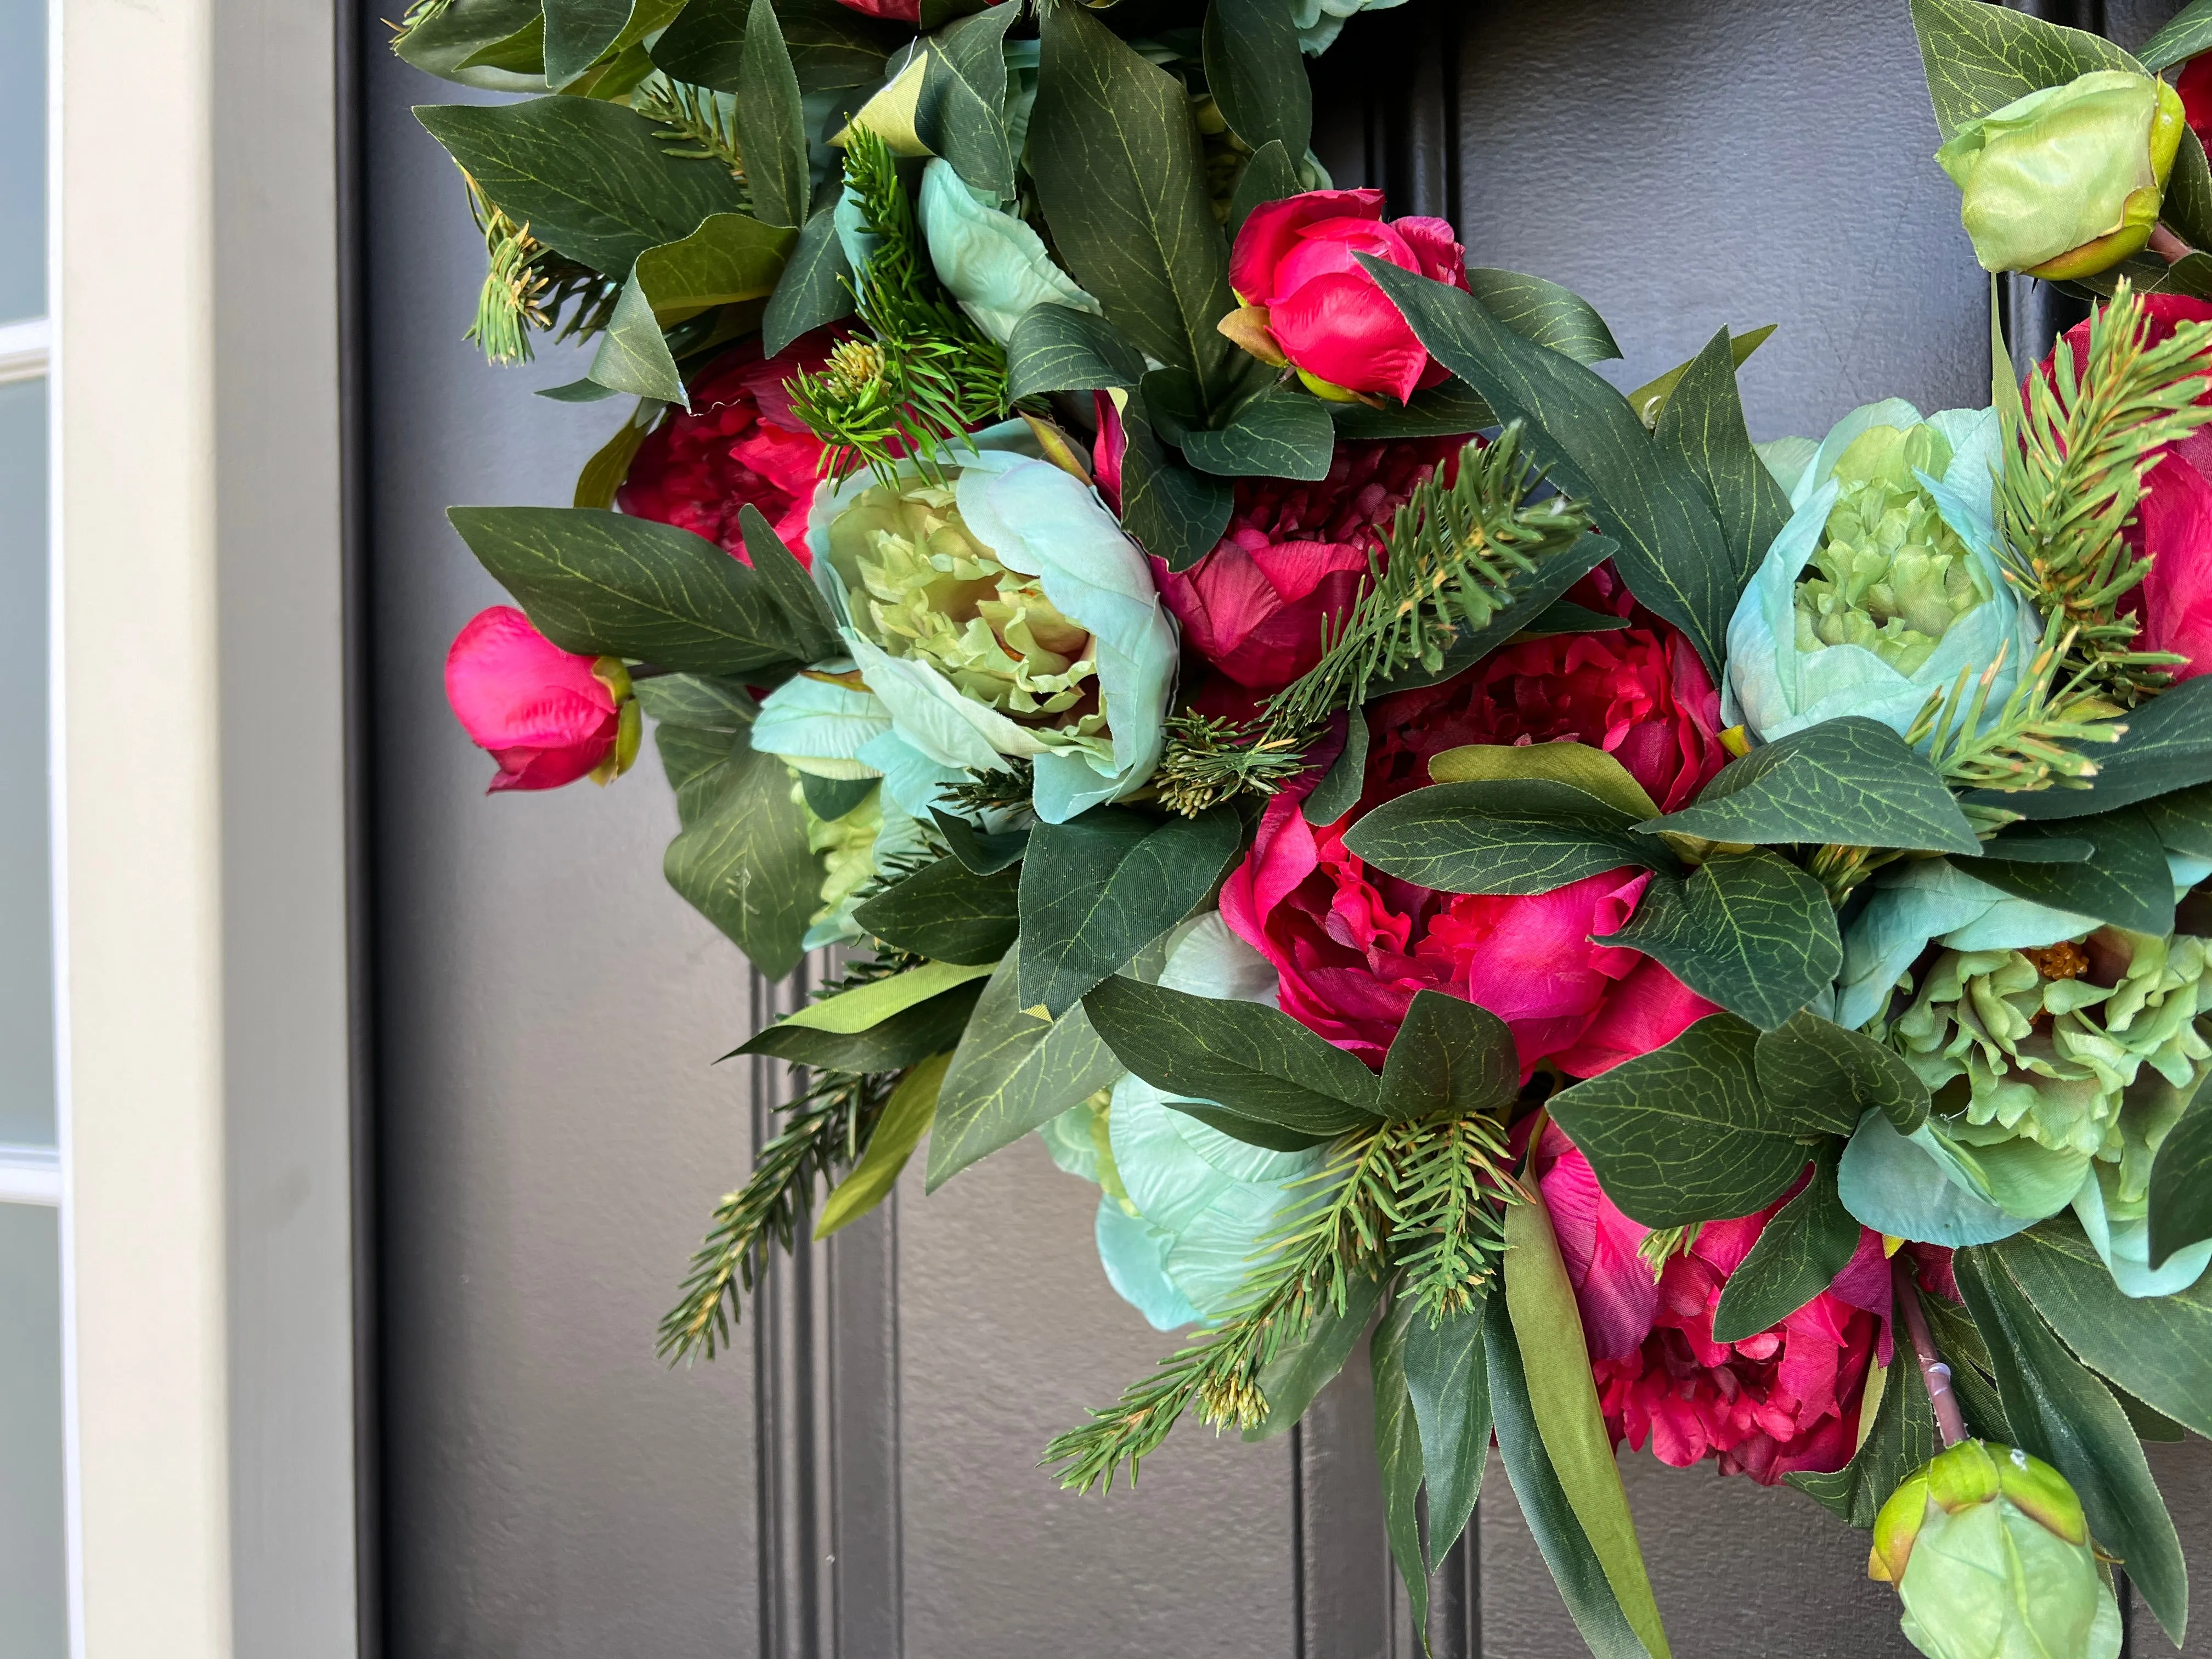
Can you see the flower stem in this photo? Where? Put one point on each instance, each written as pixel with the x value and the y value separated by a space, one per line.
pixel 2169 247
pixel 1949 1421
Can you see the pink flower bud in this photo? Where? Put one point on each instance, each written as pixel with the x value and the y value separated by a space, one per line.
pixel 548 716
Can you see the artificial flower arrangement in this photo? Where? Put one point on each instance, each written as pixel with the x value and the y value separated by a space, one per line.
pixel 1667 939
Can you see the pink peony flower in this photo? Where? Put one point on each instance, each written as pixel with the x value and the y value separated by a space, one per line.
pixel 1294 260
pixel 740 444
pixel 900 11
pixel 1293 559
pixel 546 715
pixel 1786 1399
pixel 2174 526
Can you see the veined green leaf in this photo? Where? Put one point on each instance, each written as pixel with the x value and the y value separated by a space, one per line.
pixel 1099 888
pixel 2182 820
pixel 1117 161
pixel 1439 411
pixel 1337 792
pixel 2062 1414
pixel 2168 746
pixel 831 46
pixel 1809 1241
pixel 947 911
pixel 907 1038
pixel 610 464
pixel 1012 1072
pixel 815 286
pixel 1530 835
pixel 1449 1381
pixel 444 43
pixel 2125 879
pixel 699 701
pixel 771 127
pixel 2158 1348
pixel 1649 400
pixel 579 33
pixel 1059 348
pixel 1682 1133
pixel 1980 58
pixel 1303 1368
pixel 984 853
pixel 1175 512
pixel 1449 1056
pixel 1554 317
pixel 1750 930
pixel 1398 1450
pixel 961 115
pixel 633 354
pixel 1701 424
pixel 1576 764
pixel 872 1004
pixel 1281 433
pixel 2181 1183
pixel 1851 782
pixel 1257 74
pixel 1902 1438
pixel 1254 1060
pixel 587 177
pixel 1823 1075
pixel 741 859
pixel 1555 1360
pixel 905 1121
pixel 813 632
pixel 604 584
pixel 1269 176
pixel 1672 550
pixel 2185 35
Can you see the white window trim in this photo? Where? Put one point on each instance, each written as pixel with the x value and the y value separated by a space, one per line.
pixel 203 1058
pixel 24 347
pixel 30 1175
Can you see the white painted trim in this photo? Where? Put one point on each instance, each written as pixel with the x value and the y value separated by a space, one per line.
pixel 201 831
pixel 30 1175
pixel 24 349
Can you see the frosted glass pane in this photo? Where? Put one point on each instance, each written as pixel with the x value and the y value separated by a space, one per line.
pixel 22 159
pixel 27 1006
pixel 33 1621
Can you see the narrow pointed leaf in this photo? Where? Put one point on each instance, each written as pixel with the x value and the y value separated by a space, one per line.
pixel 947 912
pixel 1449 1382
pixel 1749 931
pixel 1851 782
pixel 1809 1241
pixel 906 1119
pixel 1901 1439
pixel 1398 1450
pixel 1554 317
pixel 1702 424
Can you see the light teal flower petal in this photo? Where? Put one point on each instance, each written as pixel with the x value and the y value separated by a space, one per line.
pixel 819 726
pixel 992 262
pixel 1788 460
pixel 1901 1186
pixel 1134 1257
pixel 859 244
pixel 2125 1245
pixel 1209 960
pixel 1213 1251
pixel 1067 1138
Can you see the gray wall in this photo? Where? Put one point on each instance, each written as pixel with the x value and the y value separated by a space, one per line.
pixel 856 1476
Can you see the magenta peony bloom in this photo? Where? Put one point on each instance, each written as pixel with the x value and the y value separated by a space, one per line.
pixel 740 446
pixel 548 716
pixel 1294 261
pixel 2173 526
pixel 899 11
pixel 1293 559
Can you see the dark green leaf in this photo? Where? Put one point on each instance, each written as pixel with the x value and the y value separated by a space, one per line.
pixel 1980 58
pixel 2063 1415
pixel 1809 1241
pixel 1702 424
pixel 1099 888
pixel 588 177
pixel 1059 348
pixel 813 633
pixel 1566 1547
pixel 1563 617
pixel 1252 1131
pixel 1649 400
pixel 1450 1383
pixel 2159 1348
pixel 708 705
pixel 1682 1133
pixel 771 129
pixel 908 1038
pixel 1303 1368
pixel 1554 317
pixel 1269 176
pixel 831 46
pixel 1671 552
pixel 1243 1056
pixel 2188 32
pixel 1176 514
pixel 960 115
pixel 1337 792
pixel 741 858
pixel 2181 1182
pixel 906 1119
pixel 1449 1056
pixel 1749 931
pixel 2125 881
pixel 1960 1342
pixel 1903 1437
pixel 830 798
pixel 577 392
pixel 1532 597
pixel 1522 837
pixel 1115 156
pixel 633 355
pixel 1283 433
pixel 577 32
pixel 604 584
pixel 2168 746
pixel 1012 1072
pixel 1440 411
pixel 1257 74
pixel 1851 782
pixel 1398 1449
pixel 2182 820
pixel 814 289
pixel 947 913
pixel 1828 1078
pixel 985 852
pixel 443 43
pixel 603 474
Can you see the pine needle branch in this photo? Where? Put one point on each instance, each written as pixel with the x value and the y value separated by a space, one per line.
pixel 421 12
pixel 527 287
pixel 2078 446
pixel 2028 743
pixel 1448 1187
pixel 1449 564
pixel 701 122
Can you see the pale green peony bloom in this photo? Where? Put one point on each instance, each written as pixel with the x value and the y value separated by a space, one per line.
pixel 876 839
pixel 1885 585
pixel 1320 21
pixel 2068 181
pixel 994 265
pixel 1989 1551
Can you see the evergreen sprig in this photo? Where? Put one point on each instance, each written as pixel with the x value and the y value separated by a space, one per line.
pixel 1448 1186
pixel 927 374
pixel 701 122
pixel 1448 565
pixel 528 288
pixel 2029 741
pixel 2078 444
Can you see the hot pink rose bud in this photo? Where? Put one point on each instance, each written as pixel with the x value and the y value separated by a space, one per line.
pixel 1295 271
pixel 548 716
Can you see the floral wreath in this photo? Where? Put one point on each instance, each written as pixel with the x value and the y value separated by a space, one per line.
pixel 1676 941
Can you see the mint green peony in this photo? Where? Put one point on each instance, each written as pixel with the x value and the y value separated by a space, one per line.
pixel 992 262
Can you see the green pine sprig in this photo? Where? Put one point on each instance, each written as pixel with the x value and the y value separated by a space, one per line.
pixel 528 288
pixel 701 123
pixel 1447 1188
pixel 927 373
pixel 2030 741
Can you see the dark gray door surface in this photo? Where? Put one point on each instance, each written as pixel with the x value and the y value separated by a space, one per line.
pixel 857 1476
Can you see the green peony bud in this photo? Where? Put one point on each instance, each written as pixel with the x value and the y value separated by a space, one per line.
pixel 1989 1553
pixel 935 593
pixel 1892 576
pixel 2067 181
